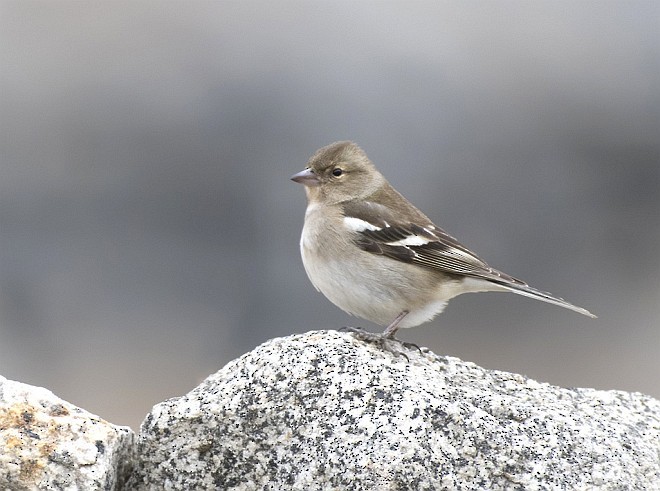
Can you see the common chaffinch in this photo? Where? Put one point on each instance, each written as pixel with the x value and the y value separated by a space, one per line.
pixel 376 256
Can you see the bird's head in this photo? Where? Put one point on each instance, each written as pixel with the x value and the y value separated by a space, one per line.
pixel 338 173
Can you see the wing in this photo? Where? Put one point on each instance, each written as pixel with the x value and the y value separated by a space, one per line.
pixel 418 241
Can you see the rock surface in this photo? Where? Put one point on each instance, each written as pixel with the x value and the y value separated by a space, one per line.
pixel 323 410
pixel 47 443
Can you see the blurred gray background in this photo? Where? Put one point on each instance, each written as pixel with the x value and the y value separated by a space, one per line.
pixel 149 231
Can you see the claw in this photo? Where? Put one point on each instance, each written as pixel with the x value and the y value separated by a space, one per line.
pixel 410 346
pixel 386 343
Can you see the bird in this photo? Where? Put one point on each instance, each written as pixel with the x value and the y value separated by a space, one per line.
pixel 374 255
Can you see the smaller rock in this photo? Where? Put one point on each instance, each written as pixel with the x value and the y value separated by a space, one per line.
pixel 48 443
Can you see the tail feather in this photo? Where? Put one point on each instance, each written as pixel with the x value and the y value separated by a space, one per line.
pixel 528 291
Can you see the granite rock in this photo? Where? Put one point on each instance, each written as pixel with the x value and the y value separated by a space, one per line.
pixel 49 444
pixel 323 410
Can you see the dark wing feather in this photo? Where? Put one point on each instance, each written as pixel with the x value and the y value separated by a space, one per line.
pixel 441 251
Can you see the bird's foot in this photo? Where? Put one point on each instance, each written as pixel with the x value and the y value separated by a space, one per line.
pixel 386 343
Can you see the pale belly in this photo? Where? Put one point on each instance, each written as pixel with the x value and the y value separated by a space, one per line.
pixel 381 291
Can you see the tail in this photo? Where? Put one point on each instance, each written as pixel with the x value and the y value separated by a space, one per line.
pixel 528 291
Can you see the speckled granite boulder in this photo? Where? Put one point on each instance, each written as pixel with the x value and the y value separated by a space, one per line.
pixel 325 411
pixel 47 443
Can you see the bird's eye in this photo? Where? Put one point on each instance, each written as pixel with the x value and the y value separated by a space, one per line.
pixel 337 172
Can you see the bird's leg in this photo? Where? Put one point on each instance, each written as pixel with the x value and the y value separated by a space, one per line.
pixel 385 340
pixel 391 330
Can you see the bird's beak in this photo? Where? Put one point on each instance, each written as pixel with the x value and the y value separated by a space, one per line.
pixel 306 177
